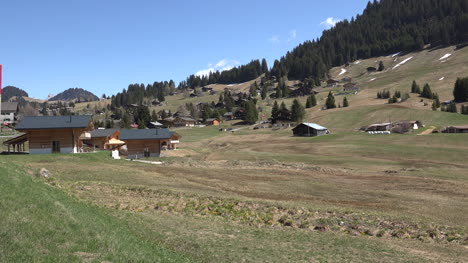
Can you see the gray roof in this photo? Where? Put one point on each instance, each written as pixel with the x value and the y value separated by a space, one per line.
pixel 102 133
pixel 313 125
pixel 8 107
pixel 145 134
pixel 54 122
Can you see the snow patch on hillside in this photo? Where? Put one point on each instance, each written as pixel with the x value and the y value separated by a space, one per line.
pixel 442 78
pixel 396 54
pixel 343 71
pixel 445 56
pixel 401 63
pixel 372 79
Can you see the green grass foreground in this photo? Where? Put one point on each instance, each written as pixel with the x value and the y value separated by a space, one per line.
pixel 41 223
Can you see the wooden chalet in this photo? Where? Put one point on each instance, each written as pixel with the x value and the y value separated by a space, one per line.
pixel 457 129
pixel 309 130
pixel 54 134
pixel 100 138
pixel 332 82
pixel 214 122
pixel 228 116
pixel 147 142
pixel 9 112
pixel 184 122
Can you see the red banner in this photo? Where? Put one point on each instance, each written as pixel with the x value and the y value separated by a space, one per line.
pixel 0 79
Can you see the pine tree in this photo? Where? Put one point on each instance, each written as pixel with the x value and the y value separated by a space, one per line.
pixel 308 103
pixel 330 102
pixel 251 113
pixel 284 114
pixel 313 100
pixel 434 108
pixel 426 92
pixel 297 111
pixel 414 87
pixel 125 122
pixel 452 107
pixel 381 66
pixel 460 91
pixel 436 100
pixel 264 66
pixel 275 111
pixel 264 92
pixel 141 124
pixel 345 102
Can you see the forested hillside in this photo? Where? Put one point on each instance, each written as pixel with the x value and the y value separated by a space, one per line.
pixel 239 74
pixel 385 27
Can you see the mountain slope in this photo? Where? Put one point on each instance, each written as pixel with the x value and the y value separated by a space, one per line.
pixel 387 26
pixel 10 91
pixel 75 94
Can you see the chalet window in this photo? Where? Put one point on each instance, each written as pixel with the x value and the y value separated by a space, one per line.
pixel 55 147
pixel 147 152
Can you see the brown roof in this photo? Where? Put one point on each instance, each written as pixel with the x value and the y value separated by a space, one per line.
pixel 461 127
pixel 9 107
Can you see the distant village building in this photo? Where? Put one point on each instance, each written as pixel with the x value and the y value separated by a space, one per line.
pixel 9 112
pixel 309 130
pixel 228 116
pixel 350 87
pixel 147 142
pixel 332 82
pixel 456 129
pixel 214 122
pixel 55 134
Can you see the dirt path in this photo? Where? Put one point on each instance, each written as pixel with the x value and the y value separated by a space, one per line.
pixel 428 131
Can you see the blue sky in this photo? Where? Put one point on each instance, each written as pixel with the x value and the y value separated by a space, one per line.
pixel 102 45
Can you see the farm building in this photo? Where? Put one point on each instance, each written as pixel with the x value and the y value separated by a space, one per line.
pixel 410 125
pixel 8 112
pixel 55 134
pixel 456 129
pixel 100 138
pixel 350 87
pixel 332 82
pixel 148 142
pixel 379 127
pixel 214 122
pixel 309 130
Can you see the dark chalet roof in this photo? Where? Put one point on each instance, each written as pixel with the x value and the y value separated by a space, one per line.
pixel 54 122
pixel 99 133
pixel 9 107
pixel 145 134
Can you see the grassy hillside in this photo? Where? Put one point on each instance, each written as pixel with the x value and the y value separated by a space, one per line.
pixel 41 223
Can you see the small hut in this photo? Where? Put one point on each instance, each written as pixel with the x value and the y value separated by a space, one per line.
pixel 309 130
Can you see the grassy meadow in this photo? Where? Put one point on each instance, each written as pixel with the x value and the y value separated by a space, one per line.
pixel 260 195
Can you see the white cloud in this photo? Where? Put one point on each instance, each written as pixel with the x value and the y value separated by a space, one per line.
pixel 222 65
pixel 274 39
pixel 292 35
pixel 330 22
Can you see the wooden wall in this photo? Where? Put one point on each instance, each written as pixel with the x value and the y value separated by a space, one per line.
pixel 137 147
pixel 42 139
